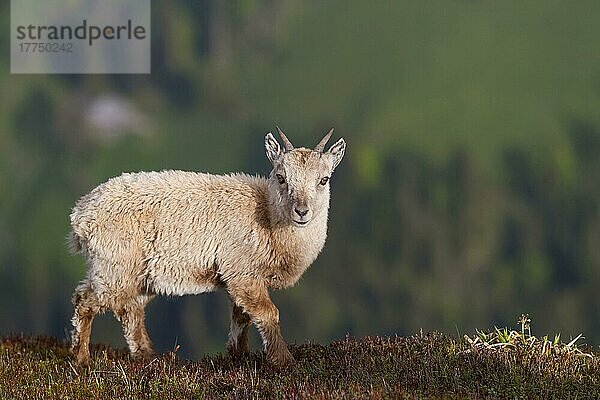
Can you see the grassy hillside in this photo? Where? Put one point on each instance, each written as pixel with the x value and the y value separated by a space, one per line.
pixel 500 364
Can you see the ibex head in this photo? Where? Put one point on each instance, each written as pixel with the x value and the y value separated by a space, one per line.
pixel 299 181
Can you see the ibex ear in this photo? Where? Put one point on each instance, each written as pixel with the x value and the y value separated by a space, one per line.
pixel 272 148
pixel 337 150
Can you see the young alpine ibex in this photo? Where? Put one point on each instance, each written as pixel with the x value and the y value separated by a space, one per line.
pixel 176 233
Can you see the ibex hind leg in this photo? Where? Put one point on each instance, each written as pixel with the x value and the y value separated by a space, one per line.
pixel 131 313
pixel 86 306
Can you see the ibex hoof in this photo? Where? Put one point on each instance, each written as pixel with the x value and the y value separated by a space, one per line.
pixel 282 359
pixel 237 351
pixel 83 360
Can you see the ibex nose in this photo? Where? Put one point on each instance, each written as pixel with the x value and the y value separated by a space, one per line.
pixel 301 210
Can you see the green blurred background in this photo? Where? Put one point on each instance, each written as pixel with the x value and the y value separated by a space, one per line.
pixel 469 192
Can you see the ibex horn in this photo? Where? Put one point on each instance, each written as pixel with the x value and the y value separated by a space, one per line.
pixel 323 141
pixel 286 142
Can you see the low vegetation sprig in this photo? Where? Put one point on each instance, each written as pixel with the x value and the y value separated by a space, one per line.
pixel 503 338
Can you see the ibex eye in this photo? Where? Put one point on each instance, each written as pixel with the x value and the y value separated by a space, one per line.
pixel 324 180
pixel 280 179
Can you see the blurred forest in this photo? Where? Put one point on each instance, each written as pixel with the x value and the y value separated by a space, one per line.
pixel 469 193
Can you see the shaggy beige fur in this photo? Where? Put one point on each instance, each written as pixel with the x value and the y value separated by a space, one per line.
pixel 176 233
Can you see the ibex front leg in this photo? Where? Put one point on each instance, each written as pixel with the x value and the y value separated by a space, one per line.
pixel 254 299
